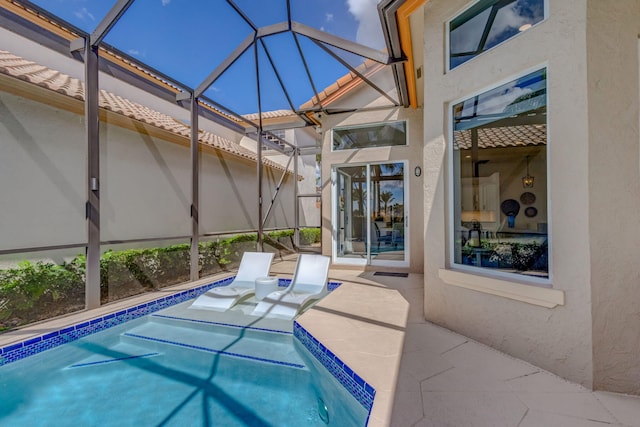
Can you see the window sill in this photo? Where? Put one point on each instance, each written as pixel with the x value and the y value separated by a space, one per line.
pixel 535 295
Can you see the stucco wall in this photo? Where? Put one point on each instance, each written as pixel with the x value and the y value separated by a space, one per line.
pixel 558 339
pixel 145 182
pixel 613 27
pixel 42 175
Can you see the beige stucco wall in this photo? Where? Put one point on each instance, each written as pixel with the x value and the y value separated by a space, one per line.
pixel 145 182
pixel 558 339
pixel 613 27
pixel 411 153
pixel 42 183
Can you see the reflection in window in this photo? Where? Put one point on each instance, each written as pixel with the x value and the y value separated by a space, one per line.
pixel 367 136
pixel 500 178
pixel 489 23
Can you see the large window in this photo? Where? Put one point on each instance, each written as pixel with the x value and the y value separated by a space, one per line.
pixel 372 135
pixel 500 178
pixel 488 23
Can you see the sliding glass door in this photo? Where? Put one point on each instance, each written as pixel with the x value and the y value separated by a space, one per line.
pixel 370 214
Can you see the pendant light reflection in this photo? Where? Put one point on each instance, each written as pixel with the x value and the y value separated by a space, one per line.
pixel 527 180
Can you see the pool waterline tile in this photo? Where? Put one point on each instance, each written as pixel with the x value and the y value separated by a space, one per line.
pixel 363 392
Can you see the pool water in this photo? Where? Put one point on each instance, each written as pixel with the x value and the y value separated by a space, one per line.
pixel 177 367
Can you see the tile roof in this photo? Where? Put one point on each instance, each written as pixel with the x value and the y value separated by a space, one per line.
pixel 505 136
pixel 276 114
pixel 29 71
pixel 343 85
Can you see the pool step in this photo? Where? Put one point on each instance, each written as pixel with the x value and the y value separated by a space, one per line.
pixel 225 328
pixel 121 352
pixel 262 346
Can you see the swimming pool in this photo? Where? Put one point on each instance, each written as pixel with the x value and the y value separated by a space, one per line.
pixel 178 367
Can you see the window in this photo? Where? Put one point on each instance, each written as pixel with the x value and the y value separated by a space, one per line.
pixel 372 135
pixel 500 178
pixel 488 23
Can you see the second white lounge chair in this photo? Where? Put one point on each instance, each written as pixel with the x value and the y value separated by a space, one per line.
pixel 309 283
pixel 252 266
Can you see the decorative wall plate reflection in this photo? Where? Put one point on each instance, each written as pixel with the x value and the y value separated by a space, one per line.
pixel 530 212
pixel 527 198
pixel 510 207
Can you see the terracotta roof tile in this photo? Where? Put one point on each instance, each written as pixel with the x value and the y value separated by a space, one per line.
pixel 36 74
pixel 343 85
pixel 500 137
pixel 271 115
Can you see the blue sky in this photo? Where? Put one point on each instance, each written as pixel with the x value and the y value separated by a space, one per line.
pixel 187 39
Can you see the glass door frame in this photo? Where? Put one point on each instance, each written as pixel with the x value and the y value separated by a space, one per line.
pixel 335 212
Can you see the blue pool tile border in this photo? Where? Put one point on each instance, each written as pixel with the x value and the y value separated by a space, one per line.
pixel 363 392
pixel 32 346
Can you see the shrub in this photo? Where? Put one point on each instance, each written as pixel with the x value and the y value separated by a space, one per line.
pixel 27 290
pixel 210 257
pixel 309 236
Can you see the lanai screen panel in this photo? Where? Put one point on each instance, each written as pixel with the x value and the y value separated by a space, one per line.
pixel 185 40
pixel 245 56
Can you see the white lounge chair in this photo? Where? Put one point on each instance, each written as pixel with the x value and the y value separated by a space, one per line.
pixel 252 266
pixel 309 283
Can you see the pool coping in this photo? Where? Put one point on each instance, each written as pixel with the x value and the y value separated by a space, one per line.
pixel 362 391
pixel 363 324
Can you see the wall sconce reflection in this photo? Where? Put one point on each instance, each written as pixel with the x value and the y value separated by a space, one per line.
pixel 527 180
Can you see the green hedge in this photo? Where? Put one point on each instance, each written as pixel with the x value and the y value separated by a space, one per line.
pixel 31 292
pixel 36 291
pixel 309 236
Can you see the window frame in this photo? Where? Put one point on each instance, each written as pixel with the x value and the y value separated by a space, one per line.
pixel 372 124
pixel 474 271
pixel 463 10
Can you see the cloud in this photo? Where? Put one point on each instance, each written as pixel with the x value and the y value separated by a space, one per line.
pixel 165 2
pixel 509 18
pixel 328 17
pixel 134 52
pixel 84 14
pixel 366 13
pixel 496 101
pixel 507 21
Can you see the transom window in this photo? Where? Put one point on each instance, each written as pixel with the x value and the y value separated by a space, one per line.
pixel 488 23
pixel 371 135
pixel 499 153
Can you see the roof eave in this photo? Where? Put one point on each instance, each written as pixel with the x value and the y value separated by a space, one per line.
pixel 394 16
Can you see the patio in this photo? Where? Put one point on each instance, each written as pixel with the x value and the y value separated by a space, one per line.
pixel 447 379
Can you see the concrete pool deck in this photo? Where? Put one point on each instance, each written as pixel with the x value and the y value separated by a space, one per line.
pixel 376 325
pixel 446 379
